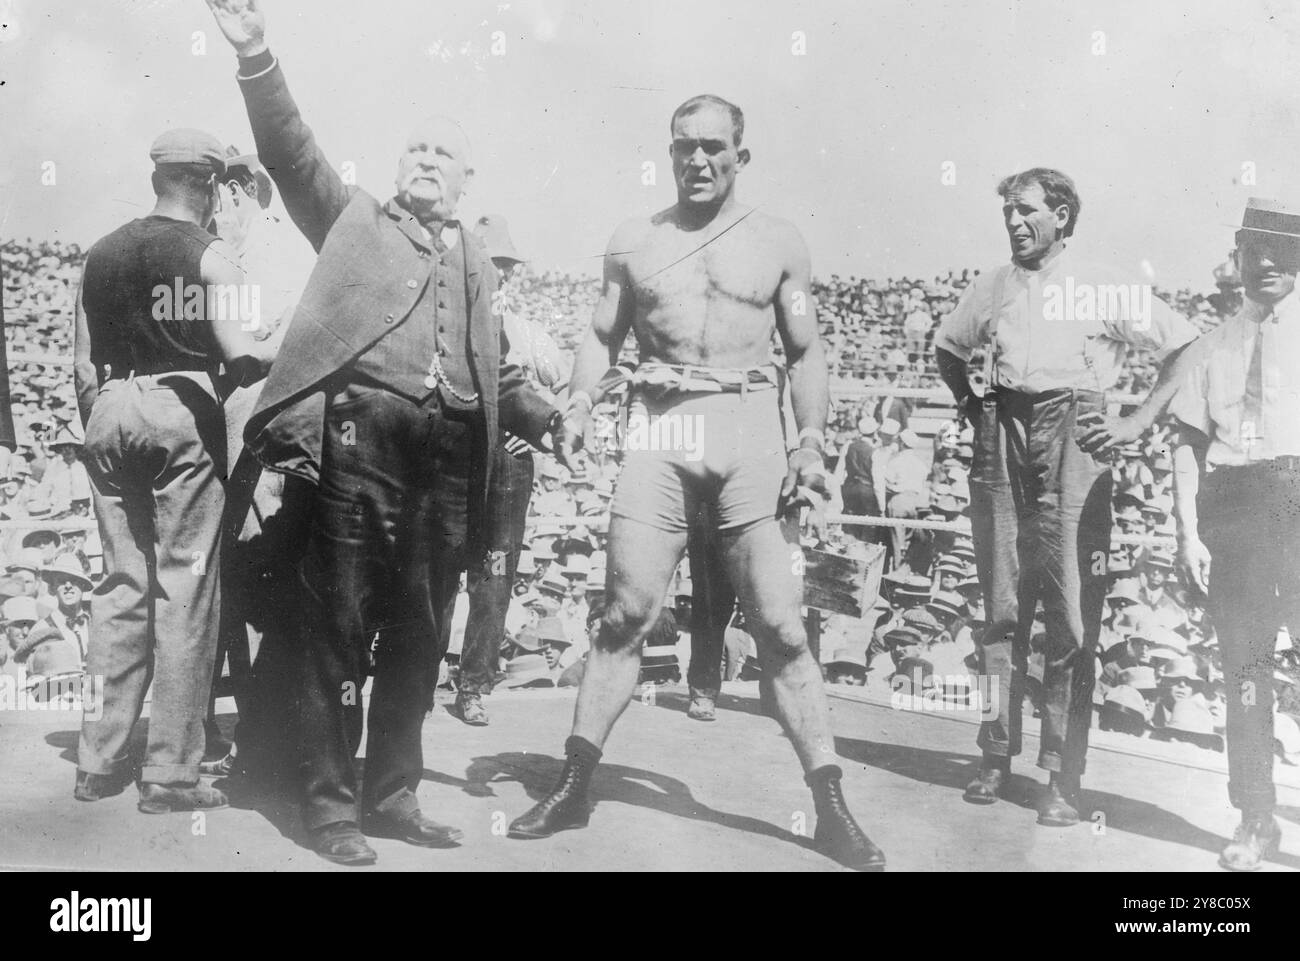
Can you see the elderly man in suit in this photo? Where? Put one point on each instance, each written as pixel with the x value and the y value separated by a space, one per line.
pixel 392 392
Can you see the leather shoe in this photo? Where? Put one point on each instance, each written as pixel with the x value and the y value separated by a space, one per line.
pixel 470 709
pixel 342 843
pixel 987 786
pixel 1059 806
pixel 1256 838
pixel 413 828
pixel 95 787
pixel 166 798
pixel 702 706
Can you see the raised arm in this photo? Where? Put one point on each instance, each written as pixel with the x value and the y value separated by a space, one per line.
pixel 313 192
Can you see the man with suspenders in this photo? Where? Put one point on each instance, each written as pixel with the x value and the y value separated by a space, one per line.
pixel 1055 330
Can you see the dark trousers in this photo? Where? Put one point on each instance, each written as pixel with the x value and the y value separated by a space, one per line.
pixel 155 450
pixel 1249 518
pixel 1041 520
pixel 266 528
pixel 387 544
pixel 860 500
pixel 490 583
pixel 713 600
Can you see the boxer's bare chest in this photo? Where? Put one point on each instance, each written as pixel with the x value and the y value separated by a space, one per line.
pixel 706 296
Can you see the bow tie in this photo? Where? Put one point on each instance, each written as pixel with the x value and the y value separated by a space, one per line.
pixel 79 620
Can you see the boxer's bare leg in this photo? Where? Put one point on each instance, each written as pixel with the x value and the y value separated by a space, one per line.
pixel 762 561
pixel 640 562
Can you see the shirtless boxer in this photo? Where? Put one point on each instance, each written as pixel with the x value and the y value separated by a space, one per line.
pixel 703 284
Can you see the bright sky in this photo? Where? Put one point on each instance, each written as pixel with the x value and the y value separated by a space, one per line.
pixel 1159 109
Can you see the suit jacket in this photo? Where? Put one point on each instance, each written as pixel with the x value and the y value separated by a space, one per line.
pixel 367 278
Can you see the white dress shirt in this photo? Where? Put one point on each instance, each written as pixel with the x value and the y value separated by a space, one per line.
pixel 1215 397
pixel 1068 324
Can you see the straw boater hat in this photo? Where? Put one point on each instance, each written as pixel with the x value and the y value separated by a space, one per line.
pixel 1275 218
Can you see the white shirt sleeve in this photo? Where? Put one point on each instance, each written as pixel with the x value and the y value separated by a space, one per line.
pixel 1147 322
pixel 966 327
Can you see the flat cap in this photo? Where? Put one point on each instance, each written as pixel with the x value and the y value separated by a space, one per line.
pixel 187 146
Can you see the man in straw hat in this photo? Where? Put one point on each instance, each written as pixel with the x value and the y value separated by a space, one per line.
pixel 705 284
pixel 1237 501
pixel 1051 354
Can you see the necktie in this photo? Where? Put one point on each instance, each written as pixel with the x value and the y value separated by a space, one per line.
pixel 1253 409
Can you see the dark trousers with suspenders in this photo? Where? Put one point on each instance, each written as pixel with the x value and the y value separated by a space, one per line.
pixel 1041 519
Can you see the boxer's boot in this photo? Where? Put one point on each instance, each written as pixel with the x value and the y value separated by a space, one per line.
pixel 838 835
pixel 566 806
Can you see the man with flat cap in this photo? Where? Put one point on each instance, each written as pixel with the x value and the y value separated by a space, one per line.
pixel 1237 502
pixel 390 398
pixel 157 313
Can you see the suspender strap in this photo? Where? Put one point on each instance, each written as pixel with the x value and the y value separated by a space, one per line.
pixel 991 352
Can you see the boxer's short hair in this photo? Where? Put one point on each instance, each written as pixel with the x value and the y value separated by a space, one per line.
pixel 697 103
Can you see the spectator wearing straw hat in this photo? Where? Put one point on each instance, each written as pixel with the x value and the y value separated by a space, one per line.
pixel 69 585
pixel 1237 502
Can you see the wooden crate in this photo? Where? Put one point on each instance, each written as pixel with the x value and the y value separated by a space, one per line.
pixel 839 584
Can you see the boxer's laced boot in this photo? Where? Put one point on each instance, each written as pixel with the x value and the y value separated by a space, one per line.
pixel 566 806
pixel 1059 807
pixel 1257 838
pixel 838 835
pixel 990 782
pixel 703 706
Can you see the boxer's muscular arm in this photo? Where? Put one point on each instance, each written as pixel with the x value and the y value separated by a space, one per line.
pixel 313 192
pixel 612 318
pixel 796 323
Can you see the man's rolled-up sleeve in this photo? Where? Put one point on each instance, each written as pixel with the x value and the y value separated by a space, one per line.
pixel 1190 403
pixel 963 330
pixel 1151 324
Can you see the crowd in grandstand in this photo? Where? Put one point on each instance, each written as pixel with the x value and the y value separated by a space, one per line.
pixel 890 455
